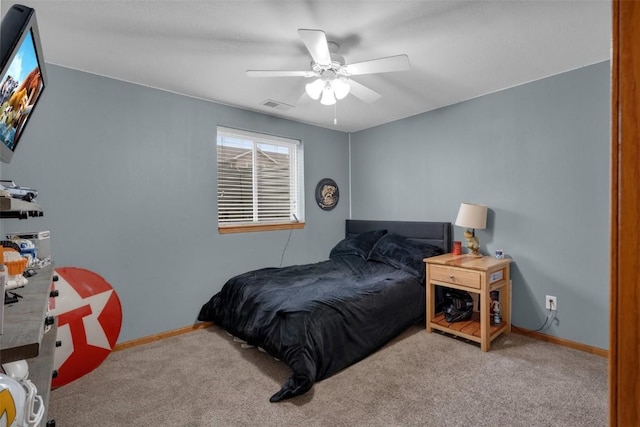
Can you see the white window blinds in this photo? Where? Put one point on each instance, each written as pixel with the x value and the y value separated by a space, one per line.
pixel 259 178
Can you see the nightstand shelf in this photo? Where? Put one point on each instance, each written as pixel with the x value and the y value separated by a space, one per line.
pixel 476 275
pixel 469 329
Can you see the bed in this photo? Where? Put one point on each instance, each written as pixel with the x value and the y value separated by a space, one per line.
pixel 323 317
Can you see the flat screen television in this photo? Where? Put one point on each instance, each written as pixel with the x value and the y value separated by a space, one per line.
pixel 23 76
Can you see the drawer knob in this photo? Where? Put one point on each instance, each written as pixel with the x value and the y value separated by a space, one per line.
pixel 451 276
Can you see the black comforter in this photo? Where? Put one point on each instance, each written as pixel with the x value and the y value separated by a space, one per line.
pixel 318 318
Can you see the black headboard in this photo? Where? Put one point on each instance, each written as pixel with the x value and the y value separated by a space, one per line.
pixel 435 233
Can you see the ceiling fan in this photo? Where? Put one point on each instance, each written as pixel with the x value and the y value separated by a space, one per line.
pixel 332 76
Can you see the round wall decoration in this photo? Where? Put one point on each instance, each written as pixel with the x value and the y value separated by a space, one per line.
pixel 89 320
pixel 327 194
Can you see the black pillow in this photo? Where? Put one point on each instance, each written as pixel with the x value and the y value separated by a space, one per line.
pixel 403 253
pixel 359 244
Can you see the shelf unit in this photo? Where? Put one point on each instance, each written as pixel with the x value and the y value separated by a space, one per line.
pixel 24 320
pixel 23 324
pixel 11 207
pixel 476 275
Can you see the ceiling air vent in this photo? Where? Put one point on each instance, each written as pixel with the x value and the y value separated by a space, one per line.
pixel 270 103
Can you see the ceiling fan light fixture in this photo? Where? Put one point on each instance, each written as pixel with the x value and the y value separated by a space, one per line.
pixel 328 97
pixel 340 88
pixel 331 76
pixel 314 89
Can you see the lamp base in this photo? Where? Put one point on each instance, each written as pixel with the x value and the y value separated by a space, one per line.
pixel 473 244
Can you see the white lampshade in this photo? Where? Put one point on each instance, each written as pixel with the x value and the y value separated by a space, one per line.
pixel 327 95
pixel 473 216
pixel 314 89
pixel 340 87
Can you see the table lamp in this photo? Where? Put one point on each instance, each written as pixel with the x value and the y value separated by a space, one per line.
pixel 472 216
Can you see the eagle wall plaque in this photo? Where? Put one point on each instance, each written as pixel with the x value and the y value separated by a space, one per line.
pixel 327 194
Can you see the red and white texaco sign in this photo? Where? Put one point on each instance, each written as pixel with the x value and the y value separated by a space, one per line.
pixel 89 320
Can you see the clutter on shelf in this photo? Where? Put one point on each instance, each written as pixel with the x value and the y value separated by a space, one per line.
pixel 15 265
pixel 16 191
pixel 35 246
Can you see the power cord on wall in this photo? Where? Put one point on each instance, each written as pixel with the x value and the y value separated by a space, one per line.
pixel 288 238
pixel 548 321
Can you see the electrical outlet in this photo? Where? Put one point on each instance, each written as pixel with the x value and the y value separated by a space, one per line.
pixel 551 303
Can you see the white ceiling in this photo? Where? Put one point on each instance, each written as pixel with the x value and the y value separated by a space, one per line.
pixel 458 49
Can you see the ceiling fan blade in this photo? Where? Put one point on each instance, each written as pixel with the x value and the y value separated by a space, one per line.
pixel 304 99
pixel 316 43
pixel 362 92
pixel 380 65
pixel 280 73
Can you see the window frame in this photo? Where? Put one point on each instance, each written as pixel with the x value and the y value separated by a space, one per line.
pixel 297 199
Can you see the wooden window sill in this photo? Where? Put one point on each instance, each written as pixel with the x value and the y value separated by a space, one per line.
pixel 259 227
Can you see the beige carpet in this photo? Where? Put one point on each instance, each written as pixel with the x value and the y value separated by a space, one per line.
pixel 204 378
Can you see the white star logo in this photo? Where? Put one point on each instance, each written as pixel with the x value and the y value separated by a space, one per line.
pixel 68 300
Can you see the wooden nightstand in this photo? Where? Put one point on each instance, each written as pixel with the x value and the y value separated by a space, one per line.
pixel 474 275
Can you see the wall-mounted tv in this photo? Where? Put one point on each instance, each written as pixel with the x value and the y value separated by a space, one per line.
pixel 22 77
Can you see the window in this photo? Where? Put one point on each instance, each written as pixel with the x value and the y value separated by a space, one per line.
pixel 260 181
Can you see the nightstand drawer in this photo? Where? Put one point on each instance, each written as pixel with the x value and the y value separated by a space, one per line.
pixel 455 276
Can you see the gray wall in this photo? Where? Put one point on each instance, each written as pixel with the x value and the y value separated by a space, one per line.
pixel 538 155
pixel 127 182
pixel 126 176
